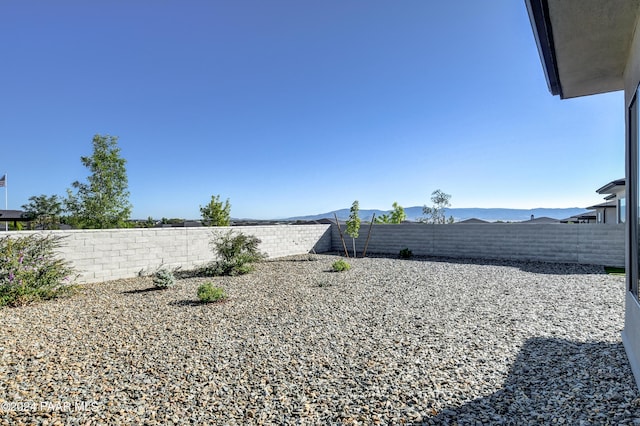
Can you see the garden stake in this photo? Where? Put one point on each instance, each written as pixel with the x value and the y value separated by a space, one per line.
pixel 373 219
pixel 341 237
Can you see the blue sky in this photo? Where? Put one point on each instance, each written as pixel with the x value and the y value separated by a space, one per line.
pixel 297 107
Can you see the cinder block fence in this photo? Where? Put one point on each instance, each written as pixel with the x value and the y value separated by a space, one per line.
pixel 560 243
pixel 101 255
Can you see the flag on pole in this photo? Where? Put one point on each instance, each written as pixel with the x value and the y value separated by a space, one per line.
pixel 3 183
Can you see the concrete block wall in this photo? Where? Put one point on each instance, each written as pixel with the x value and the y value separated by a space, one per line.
pixel 562 243
pixel 102 255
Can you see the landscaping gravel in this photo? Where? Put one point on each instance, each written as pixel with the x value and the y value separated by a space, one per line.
pixel 423 341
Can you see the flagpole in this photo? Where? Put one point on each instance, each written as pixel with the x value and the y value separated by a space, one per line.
pixel 6 201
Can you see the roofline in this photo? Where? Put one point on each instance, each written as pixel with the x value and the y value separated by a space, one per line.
pixel 611 185
pixel 602 206
pixel 585 215
pixel 543 33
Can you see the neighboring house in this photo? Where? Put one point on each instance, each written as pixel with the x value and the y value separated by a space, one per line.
pixel 473 220
pixel 616 194
pixel 183 224
pixel 589 47
pixel 542 219
pixel 613 210
pixel 605 212
pixel 588 217
pixel 13 216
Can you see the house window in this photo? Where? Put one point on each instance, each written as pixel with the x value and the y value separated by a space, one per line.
pixel 622 210
pixel 599 219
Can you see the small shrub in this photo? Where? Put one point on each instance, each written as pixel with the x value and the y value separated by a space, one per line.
pixel 164 278
pixel 237 253
pixel 340 265
pixel 207 292
pixel 405 253
pixel 31 271
pixel 324 283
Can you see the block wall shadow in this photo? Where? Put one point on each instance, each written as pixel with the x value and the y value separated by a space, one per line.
pixel 582 383
pixel 537 267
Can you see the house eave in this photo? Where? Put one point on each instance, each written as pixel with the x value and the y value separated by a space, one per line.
pixel 583 44
pixel 602 206
pixel 541 25
pixel 612 186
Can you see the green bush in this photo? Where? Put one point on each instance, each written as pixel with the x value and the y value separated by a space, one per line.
pixel 237 252
pixel 207 292
pixel 340 265
pixel 164 278
pixel 31 271
pixel 405 253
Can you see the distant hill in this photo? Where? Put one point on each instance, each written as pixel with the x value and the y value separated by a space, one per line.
pixel 491 215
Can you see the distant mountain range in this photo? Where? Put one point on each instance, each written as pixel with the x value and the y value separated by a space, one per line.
pixel 491 215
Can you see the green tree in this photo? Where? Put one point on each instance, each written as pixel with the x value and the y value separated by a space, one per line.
pixel 44 211
pixel 397 215
pixel 437 212
pixel 353 224
pixel 103 201
pixel 172 221
pixel 149 223
pixel 216 213
pixel 383 218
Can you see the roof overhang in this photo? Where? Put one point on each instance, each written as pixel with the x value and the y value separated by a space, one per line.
pixel 587 215
pixel 612 187
pixel 583 44
pixel 13 216
pixel 603 206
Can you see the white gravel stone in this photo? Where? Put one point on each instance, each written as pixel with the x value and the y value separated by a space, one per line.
pixel 424 341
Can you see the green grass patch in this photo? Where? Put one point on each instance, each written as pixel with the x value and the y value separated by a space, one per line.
pixel 614 271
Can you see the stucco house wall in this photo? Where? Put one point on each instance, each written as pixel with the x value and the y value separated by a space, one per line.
pixel 631 333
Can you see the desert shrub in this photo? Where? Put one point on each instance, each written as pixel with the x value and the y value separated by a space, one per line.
pixel 237 252
pixel 340 265
pixel 164 278
pixel 31 271
pixel 207 292
pixel 405 253
pixel 324 283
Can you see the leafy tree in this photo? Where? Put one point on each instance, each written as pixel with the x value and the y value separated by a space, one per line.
pixel 437 213
pixel 44 211
pixel 103 201
pixel 172 221
pixel 149 223
pixel 383 218
pixel 216 213
pixel 397 215
pixel 353 224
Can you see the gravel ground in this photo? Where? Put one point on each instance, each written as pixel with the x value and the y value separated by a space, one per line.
pixel 389 342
